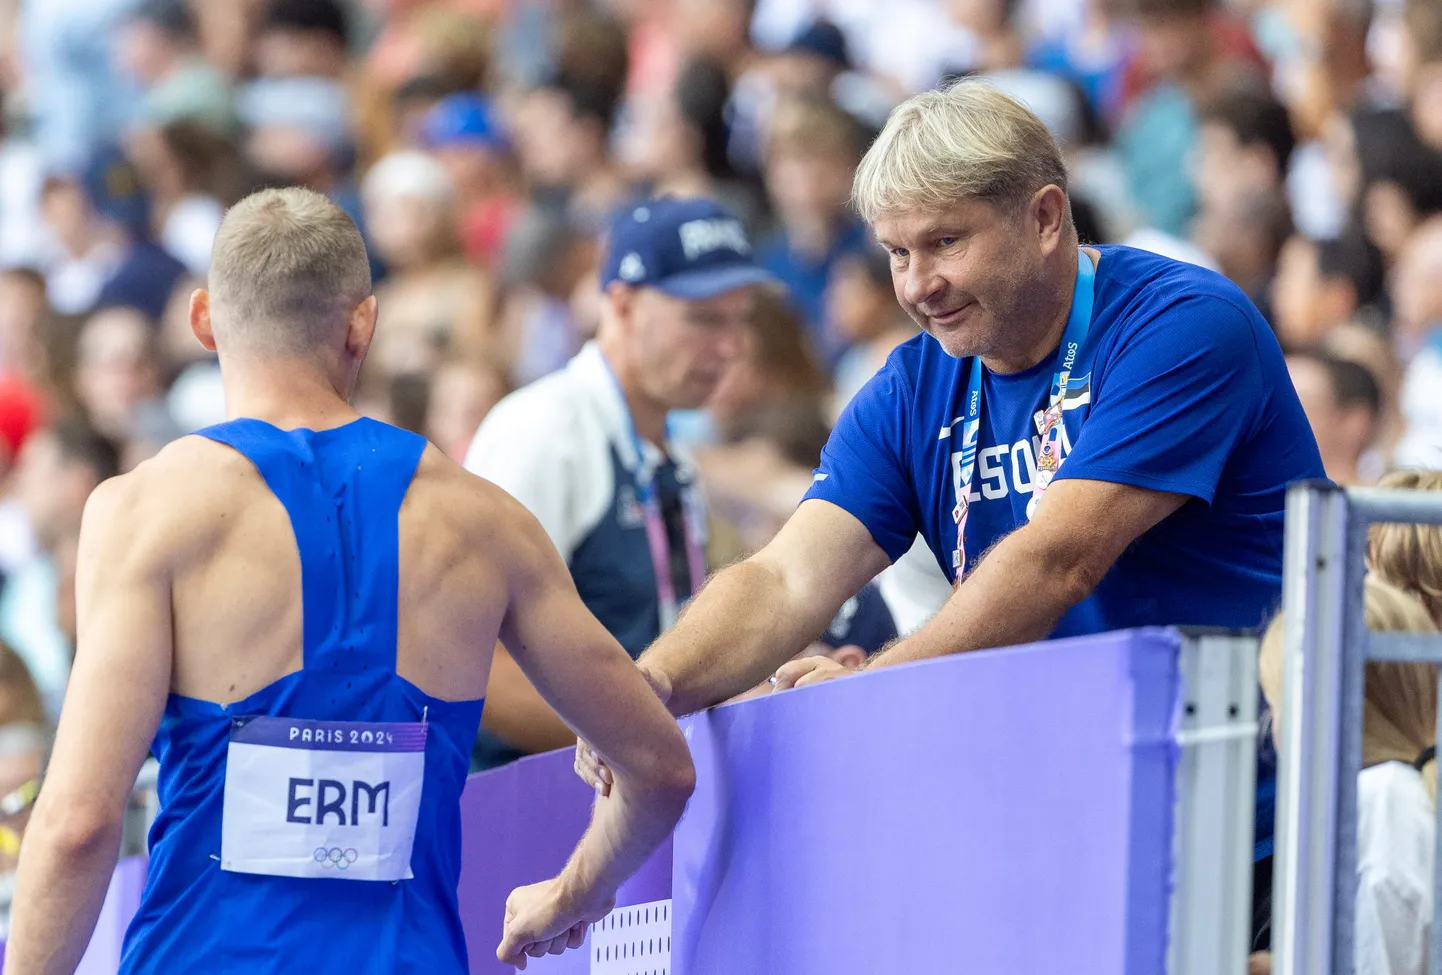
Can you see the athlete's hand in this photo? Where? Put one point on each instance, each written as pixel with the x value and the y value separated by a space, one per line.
pixel 589 766
pixel 809 670
pixel 540 922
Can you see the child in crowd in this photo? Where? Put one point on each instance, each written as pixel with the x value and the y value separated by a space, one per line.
pixel 1396 790
pixel 812 149
pixel 1410 556
pixel 863 313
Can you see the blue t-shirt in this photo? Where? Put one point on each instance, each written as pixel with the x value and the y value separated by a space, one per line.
pixel 1182 388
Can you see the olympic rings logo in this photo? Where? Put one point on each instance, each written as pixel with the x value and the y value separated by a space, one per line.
pixel 335 857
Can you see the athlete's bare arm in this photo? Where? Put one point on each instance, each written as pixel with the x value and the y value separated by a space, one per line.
pixel 113 705
pixel 583 674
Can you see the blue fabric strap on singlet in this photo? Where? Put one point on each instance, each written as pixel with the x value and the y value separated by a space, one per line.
pixel 342 489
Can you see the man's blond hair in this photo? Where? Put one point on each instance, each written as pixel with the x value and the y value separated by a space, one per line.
pixel 287 267
pixel 968 141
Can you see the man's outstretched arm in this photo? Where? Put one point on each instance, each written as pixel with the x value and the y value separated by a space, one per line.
pixel 755 615
pixel 113 705
pixel 582 672
pixel 1029 580
pixel 759 613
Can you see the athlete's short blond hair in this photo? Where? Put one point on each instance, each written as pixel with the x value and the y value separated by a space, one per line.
pixel 288 265
pixel 967 141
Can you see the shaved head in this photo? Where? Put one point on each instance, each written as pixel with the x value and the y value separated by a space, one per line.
pixel 288 268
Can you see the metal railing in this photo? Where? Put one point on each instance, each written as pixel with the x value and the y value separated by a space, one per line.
pixel 1327 646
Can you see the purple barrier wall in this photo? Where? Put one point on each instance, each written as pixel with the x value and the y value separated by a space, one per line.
pixel 1003 812
pixel 1006 812
pixel 521 822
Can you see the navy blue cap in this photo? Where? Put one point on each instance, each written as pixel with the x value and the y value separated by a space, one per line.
pixel 863 621
pixel 689 249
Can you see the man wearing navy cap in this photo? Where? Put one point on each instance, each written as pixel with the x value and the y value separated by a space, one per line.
pixel 586 449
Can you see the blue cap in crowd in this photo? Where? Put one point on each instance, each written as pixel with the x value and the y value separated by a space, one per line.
pixel 462 119
pixel 824 40
pixel 689 249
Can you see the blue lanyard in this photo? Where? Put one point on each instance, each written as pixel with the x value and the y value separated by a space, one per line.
pixel 657 541
pixel 1078 323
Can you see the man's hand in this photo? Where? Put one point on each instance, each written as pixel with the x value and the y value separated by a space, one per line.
pixel 808 671
pixel 589 766
pixel 539 922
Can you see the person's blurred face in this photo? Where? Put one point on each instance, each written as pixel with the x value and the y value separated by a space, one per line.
pixel 1388 216
pixel 548 138
pixel 287 151
pixel 970 276
pixel 1417 283
pixel 809 185
pixel 657 143
pixel 1342 433
pixel 681 349
pixel 283 52
pixel 461 396
pixel 473 169
pixel 1294 293
pixel 51 488
pixel 981 17
pixel 1314 389
pixel 22 300
pixel 405 230
pixel 1224 169
pixel 1168 45
pixel 1240 244
pixel 711 27
pixel 800 75
pixel 1427 104
pixel 145 51
pixel 744 386
pixel 113 371
pixel 856 309
pixel 67 213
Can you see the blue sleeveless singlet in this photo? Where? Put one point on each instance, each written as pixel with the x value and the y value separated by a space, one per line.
pixel 343 490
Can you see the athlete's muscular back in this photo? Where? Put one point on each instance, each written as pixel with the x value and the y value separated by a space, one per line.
pixel 206 516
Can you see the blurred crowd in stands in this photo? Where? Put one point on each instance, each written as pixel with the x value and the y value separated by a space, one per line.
pixel 482 145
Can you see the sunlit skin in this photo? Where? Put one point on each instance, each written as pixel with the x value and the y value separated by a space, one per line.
pixel 985 279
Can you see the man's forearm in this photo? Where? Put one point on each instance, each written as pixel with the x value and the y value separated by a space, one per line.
pixel 60 888
pixel 1016 594
pixel 744 624
pixel 626 827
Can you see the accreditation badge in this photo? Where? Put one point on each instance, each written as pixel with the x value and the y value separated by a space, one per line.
pixel 322 798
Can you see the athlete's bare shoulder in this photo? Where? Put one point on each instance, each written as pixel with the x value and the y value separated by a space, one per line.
pixel 471 507
pixel 179 501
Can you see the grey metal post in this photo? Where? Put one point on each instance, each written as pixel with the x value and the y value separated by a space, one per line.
pixel 1327 646
pixel 1314 580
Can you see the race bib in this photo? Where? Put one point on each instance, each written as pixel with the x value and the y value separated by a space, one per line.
pixel 322 798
